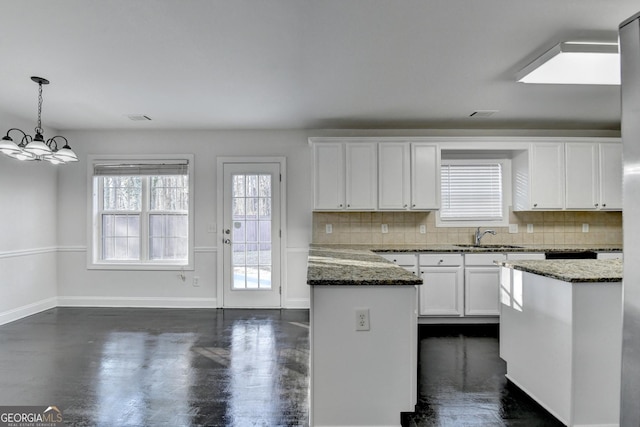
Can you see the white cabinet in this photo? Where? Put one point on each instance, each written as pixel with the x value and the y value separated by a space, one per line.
pixel 328 177
pixel 425 176
pixel 482 284
pixel 404 260
pixel 609 255
pixel 442 290
pixel 610 176
pixel 408 176
pixel 573 175
pixel 361 176
pixel 593 176
pixel 538 177
pixel 345 176
pixel 394 176
pixel 582 179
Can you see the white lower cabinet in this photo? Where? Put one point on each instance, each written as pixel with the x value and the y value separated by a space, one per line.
pixel 482 284
pixel 442 291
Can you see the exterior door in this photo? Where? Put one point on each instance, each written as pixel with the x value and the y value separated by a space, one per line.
pixel 251 235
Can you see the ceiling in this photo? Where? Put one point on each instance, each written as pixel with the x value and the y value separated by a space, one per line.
pixel 300 64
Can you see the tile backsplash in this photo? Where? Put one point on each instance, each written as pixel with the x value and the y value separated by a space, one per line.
pixel 560 227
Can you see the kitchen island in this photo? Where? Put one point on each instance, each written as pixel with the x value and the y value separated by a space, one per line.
pixel 363 338
pixel 561 336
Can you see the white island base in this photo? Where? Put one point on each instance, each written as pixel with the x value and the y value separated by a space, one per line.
pixel 363 378
pixel 562 345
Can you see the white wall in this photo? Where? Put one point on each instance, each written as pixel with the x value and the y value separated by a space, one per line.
pixel 79 286
pixel 28 217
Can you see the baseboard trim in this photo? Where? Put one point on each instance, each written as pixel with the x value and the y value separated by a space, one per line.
pixel 296 303
pixel 27 310
pixel 153 302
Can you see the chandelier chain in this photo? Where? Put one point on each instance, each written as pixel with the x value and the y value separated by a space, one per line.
pixel 39 128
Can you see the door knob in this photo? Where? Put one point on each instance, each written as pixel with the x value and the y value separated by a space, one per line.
pixel 226 241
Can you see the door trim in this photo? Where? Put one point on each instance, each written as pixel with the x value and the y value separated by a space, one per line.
pixel 220 161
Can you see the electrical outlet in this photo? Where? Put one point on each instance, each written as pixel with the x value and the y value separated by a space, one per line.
pixel 196 281
pixel 585 228
pixel 362 319
pixel 423 229
pixel 385 228
pixel 513 228
pixel 529 228
pixel 328 229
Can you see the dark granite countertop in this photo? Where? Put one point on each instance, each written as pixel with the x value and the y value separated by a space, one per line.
pixel 444 248
pixel 571 270
pixel 353 267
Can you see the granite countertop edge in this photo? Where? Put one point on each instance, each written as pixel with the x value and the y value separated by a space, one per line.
pixel 464 248
pixel 572 271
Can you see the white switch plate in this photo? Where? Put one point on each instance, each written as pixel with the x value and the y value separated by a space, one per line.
pixel 513 228
pixel 385 228
pixel 196 281
pixel 585 228
pixel 423 229
pixel 529 228
pixel 328 228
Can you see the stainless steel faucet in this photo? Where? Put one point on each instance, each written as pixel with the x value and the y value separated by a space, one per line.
pixel 479 235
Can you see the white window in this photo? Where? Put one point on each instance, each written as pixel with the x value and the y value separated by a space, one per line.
pixel 141 214
pixel 472 193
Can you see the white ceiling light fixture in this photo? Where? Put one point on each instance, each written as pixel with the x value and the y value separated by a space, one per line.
pixel 36 148
pixel 586 63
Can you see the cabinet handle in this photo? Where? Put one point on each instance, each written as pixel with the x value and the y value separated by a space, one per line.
pixel 340 205
pixel 535 205
pixel 348 206
pixel 604 205
pixel 405 206
pixel 596 205
pixel 414 205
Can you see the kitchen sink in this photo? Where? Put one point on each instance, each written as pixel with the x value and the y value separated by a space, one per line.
pixel 490 246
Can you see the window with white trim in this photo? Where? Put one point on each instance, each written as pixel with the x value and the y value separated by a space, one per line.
pixel 472 193
pixel 142 214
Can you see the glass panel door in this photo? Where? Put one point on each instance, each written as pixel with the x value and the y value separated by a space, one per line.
pixel 251 235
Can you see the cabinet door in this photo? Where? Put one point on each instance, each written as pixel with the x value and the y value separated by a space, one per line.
pixel 611 176
pixel 482 286
pixel 441 293
pixel 581 176
pixel 361 176
pixel 393 176
pixel 547 175
pixel 328 180
pixel 425 176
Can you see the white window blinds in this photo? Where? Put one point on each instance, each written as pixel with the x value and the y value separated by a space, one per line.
pixel 471 191
pixel 146 169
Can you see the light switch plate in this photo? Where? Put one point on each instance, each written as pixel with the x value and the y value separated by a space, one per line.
pixel 513 228
pixel 328 228
pixel 529 228
pixel 385 228
pixel 423 229
pixel 585 228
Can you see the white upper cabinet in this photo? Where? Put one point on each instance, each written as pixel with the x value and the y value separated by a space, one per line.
pixel 594 176
pixel 394 176
pixel 610 176
pixel 328 179
pixel 408 176
pixel 582 176
pixel 345 176
pixel 361 176
pixel 538 177
pixel 425 176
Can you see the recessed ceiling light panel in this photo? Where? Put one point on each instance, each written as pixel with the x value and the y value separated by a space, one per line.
pixel 575 63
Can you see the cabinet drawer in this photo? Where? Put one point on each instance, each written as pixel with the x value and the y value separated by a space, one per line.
pixel 483 259
pixel 528 255
pixel 400 259
pixel 441 260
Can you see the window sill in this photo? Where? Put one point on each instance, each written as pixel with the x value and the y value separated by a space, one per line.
pixel 140 267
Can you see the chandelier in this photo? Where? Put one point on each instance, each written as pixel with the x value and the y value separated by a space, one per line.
pixel 36 148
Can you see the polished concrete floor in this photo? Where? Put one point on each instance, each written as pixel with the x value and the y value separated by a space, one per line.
pixel 461 382
pixel 160 367
pixel 163 367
